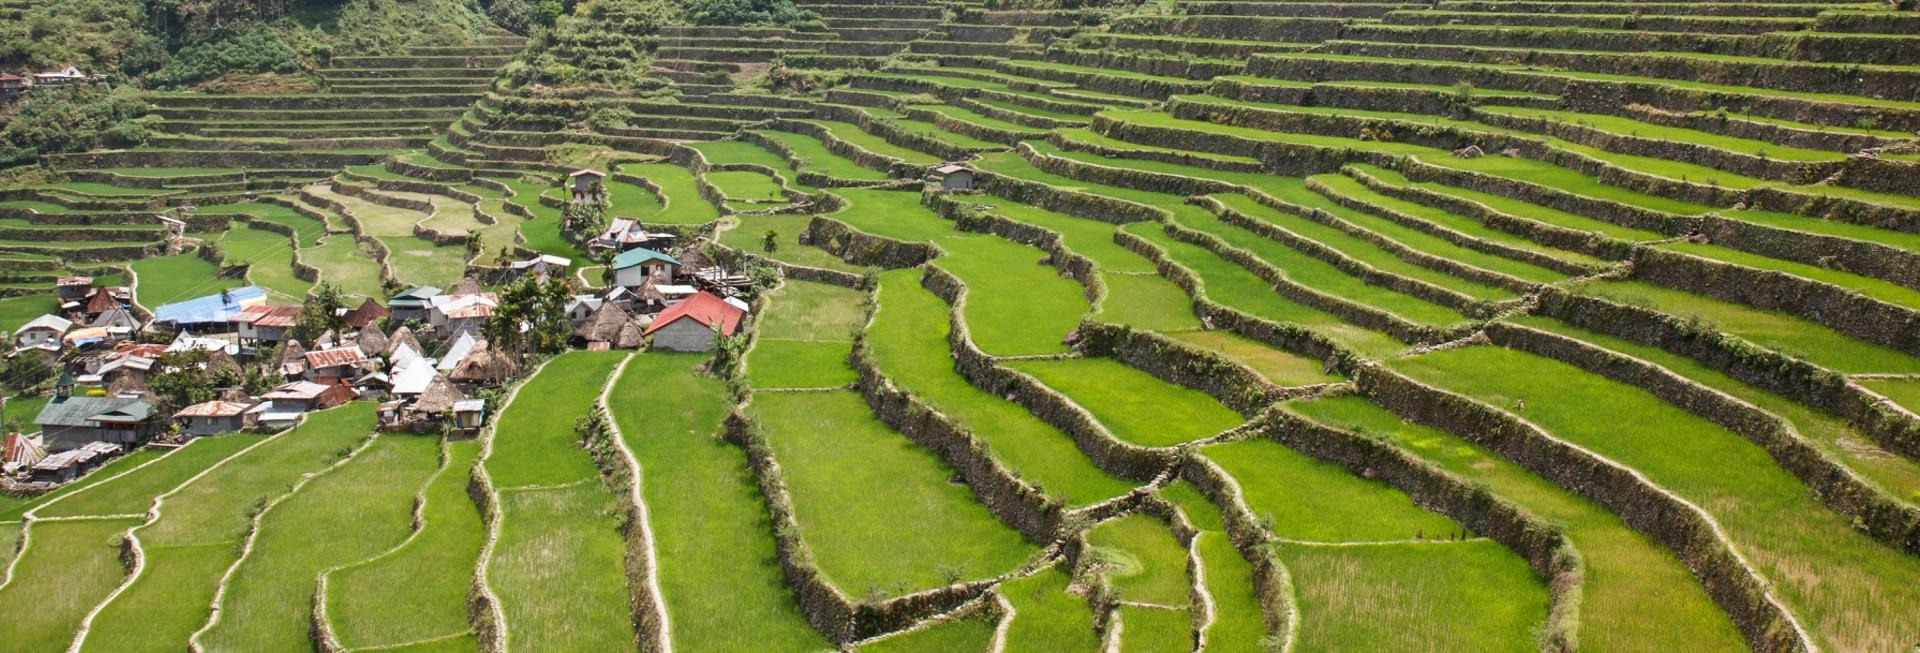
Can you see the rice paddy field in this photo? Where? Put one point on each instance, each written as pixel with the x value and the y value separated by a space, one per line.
pixel 1249 326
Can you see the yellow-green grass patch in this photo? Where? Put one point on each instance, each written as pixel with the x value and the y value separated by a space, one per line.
pixel 738 151
pixel 180 277
pixel 12 508
pixel 542 232
pixel 746 185
pixel 559 569
pixel 1441 247
pixel 814 156
pixel 711 534
pixel 201 527
pixel 909 340
pixel 748 233
pixel 973 633
pixel 1134 405
pixel 1457 596
pixel 799 364
pixel 1899 475
pixel 1634 594
pixel 134 492
pixel 922 531
pixel 1905 392
pixel 417 591
pixel 1234 287
pixel 807 310
pixel 269 259
pixel 363 508
pixel 853 135
pixel 683 204
pixel 1142 560
pixel 1321 275
pixel 1869 287
pixel 1782 333
pixel 67 568
pixel 1046 617
pixel 1154 630
pixel 1277 365
pixel 1847 588
pixel 17 311
pixel 1306 499
pixel 347 263
pixel 536 445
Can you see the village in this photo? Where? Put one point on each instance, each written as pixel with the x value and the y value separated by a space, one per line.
pixel 110 376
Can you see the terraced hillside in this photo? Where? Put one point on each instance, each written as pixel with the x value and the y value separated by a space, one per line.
pixel 1477 325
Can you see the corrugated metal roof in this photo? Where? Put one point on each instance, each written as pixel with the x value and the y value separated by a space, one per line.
pixel 348 355
pixel 215 408
pixel 79 411
pixel 704 308
pixel 268 316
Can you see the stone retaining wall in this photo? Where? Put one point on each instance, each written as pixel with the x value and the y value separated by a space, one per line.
pixel 1669 520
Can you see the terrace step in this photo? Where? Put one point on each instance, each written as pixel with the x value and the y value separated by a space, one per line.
pixel 420 62
pixel 312 102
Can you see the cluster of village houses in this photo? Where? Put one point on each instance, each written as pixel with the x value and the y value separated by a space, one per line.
pixel 423 368
pixel 13 86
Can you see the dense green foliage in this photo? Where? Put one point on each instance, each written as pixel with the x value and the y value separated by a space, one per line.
pixel 746 12
pixel 71 119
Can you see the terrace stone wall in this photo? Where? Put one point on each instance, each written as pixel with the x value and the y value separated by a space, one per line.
pixel 861 248
pixel 1169 360
pixel 1064 261
pixel 1669 520
pixel 1538 542
pixel 1109 453
pixel 826 608
pixel 1846 311
pixel 1289 337
pixel 1015 502
pixel 1871 509
pixel 1791 377
pixel 1859 257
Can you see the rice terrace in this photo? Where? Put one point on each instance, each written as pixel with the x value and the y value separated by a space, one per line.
pixel 932 326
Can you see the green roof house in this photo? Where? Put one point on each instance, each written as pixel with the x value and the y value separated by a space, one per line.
pixel 633 267
pixel 71 422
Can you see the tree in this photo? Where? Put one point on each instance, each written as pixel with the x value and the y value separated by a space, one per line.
pixel 771 241
pixel 532 316
pixel 27 371
pixel 582 220
pixel 548 326
pixel 182 381
pixel 320 314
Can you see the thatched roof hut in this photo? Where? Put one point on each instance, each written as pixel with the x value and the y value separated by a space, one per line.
pixel 219 359
pixel 438 398
pixel 371 341
pixel 604 324
pixel 486 366
pixel 292 359
pixel 403 336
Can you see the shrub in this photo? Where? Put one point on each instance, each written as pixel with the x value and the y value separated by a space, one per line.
pixel 260 50
pixel 746 12
pixel 71 119
pixel 27 372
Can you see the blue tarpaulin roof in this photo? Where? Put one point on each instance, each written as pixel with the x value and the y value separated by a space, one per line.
pixel 211 308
